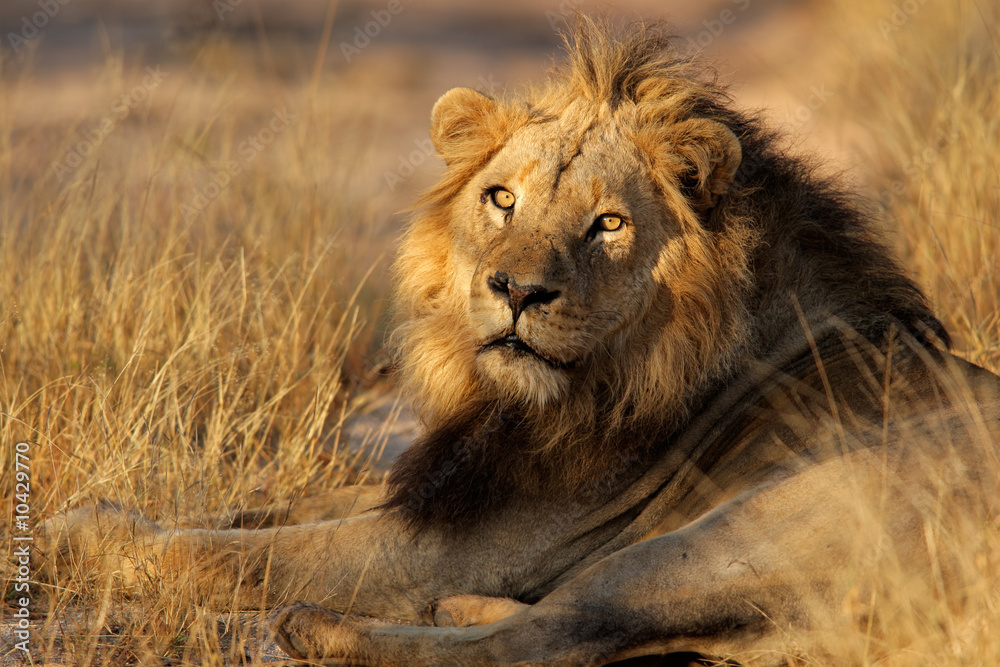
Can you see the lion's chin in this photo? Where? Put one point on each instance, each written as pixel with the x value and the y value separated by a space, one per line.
pixel 524 376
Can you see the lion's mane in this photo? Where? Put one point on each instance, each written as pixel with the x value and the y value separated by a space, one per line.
pixel 780 243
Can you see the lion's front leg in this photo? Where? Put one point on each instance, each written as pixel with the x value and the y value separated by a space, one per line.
pixel 341 503
pixel 311 632
pixel 107 545
pixel 736 581
pixel 538 635
pixel 370 565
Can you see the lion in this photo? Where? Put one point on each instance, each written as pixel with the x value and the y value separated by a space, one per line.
pixel 660 364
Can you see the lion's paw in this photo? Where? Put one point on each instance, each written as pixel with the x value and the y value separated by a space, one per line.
pixel 310 632
pixel 97 541
pixel 462 611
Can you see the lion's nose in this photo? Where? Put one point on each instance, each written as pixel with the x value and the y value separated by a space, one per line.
pixel 519 297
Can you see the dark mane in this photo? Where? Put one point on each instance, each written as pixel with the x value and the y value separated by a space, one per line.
pixel 465 470
pixel 819 242
pixel 455 470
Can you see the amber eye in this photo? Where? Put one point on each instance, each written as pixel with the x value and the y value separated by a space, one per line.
pixel 608 223
pixel 502 198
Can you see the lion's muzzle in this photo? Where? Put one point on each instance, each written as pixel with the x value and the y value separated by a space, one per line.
pixel 517 296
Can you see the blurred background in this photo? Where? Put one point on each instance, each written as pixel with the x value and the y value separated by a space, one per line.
pixel 374 69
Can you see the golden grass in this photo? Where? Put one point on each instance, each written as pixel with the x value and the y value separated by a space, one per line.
pixel 921 97
pixel 183 364
pixel 180 362
pixel 140 344
pixel 925 95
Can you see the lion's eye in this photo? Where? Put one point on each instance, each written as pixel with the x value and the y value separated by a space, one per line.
pixel 502 198
pixel 608 223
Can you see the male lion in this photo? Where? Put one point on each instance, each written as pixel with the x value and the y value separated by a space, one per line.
pixel 663 368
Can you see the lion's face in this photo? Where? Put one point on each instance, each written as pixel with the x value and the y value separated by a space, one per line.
pixel 563 259
pixel 555 243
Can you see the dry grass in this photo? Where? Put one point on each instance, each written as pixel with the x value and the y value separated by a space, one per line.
pixel 182 363
pixel 174 360
pixel 922 99
pixel 157 358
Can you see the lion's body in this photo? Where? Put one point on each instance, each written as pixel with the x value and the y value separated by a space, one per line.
pixel 669 379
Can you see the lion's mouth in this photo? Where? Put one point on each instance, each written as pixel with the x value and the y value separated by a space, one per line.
pixel 516 344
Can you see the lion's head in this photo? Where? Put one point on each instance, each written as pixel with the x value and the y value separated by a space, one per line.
pixel 565 260
pixel 606 250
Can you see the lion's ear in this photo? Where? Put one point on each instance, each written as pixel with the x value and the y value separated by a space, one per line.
pixel 710 155
pixel 459 124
